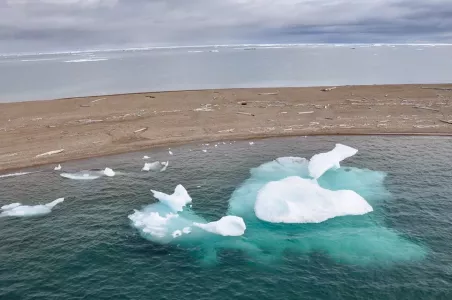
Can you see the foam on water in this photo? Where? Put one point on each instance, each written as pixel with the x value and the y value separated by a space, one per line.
pixel 19 210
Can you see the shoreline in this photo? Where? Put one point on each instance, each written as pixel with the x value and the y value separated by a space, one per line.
pixel 89 127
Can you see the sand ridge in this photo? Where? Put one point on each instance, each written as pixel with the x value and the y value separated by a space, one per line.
pixel 52 131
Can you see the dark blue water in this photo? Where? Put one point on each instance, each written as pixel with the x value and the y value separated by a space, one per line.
pixel 86 247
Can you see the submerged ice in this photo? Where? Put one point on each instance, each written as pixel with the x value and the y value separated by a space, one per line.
pixel 288 204
pixel 19 210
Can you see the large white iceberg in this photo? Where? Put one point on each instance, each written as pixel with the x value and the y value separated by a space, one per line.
pixel 226 226
pixel 19 210
pixel 322 162
pixel 176 201
pixel 298 200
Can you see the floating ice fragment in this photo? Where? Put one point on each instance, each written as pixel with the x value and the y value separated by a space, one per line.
pixel 57 168
pixel 186 230
pixel 322 162
pixel 170 152
pixel 165 166
pixel 226 226
pixel 204 150
pixel 154 166
pixel 176 201
pixel 19 210
pixel 251 143
pixel 151 223
pixel 146 157
pixel 298 200
pixel 109 172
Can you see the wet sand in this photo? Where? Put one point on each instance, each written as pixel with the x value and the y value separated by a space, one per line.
pixel 41 132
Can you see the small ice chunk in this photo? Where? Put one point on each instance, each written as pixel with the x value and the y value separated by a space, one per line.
pixel 57 168
pixel 109 172
pixel 170 152
pixel 186 230
pixel 322 162
pixel 152 222
pixel 146 157
pixel 177 200
pixel 19 210
pixel 226 226
pixel 204 150
pixel 251 143
pixel 165 166
pixel 176 233
pixel 154 166
pixel 298 200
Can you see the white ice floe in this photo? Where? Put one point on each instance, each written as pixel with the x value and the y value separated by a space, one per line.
pixel 298 200
pixel 251 143
pixel 186 230
pixel 322 162
pixel 226 226
pixel 165 166
pixel 170 152
pixel 19 210
pixel 57 168
pixel 153 166
pixel 89 174
pixel 204 150
pixel 176 201
pixel 146 157
pixel 109 172
pixel 14 174
pixel 83 175
pixel 152 222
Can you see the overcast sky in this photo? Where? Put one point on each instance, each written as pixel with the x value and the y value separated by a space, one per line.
pixel 46 25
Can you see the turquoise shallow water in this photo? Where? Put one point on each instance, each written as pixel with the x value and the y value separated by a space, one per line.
pixel 86 247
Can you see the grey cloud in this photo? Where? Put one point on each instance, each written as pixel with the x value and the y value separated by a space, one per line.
pixel 68 24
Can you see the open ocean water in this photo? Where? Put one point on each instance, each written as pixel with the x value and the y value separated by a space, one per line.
pixel 87 248
pixel 26 77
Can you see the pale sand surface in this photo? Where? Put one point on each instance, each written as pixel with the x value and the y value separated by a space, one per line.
pixel 102 125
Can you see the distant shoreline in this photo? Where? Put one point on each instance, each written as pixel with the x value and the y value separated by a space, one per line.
pixel 85 127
